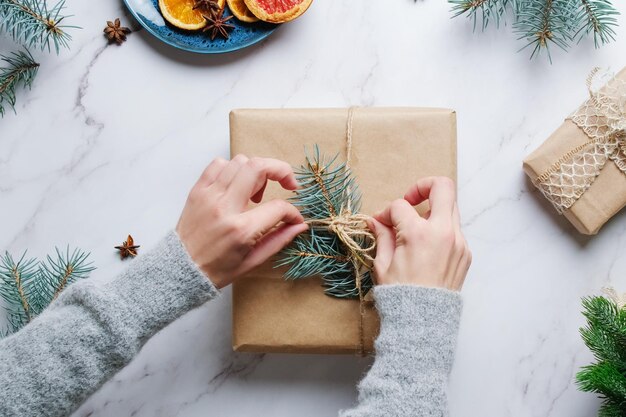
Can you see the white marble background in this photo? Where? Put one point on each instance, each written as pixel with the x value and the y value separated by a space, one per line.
pixel 110 139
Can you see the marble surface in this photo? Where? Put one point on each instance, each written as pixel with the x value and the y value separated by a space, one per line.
pixel 111 138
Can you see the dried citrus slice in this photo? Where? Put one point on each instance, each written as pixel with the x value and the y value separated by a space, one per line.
pixel 277 11
pixel 181 13
pixel 241 11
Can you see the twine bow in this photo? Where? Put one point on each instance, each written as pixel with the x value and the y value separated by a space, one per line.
pixel 353 231
pixel 603 119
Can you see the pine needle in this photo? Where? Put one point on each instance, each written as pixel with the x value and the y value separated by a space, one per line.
pixel 21 69
pixel 542 23
pixel 605 335
pixel 34 24
pixel 597 17
pixel 27 286
pixel 322 194
pixel 15 277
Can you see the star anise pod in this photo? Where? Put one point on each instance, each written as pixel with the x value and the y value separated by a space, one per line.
pixel 217 24
pixel 206 5
pixel 115 32
pixel 128 248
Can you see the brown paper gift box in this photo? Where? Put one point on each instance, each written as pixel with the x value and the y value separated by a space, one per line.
pixel 604 198
pixel 392 148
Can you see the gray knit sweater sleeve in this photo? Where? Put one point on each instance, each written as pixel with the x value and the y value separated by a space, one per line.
pixel 91 331
pixel 414 353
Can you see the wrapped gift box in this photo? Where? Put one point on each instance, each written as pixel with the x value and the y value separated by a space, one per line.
pixel 391 149
pixel 558 168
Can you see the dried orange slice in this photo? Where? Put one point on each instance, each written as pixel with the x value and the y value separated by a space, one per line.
pixel 277 11
pixel 241 11
pixel 181 13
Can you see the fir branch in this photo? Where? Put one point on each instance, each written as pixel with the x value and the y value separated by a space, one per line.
pixel 55 274
pixel 483 10
pixel 323 192
pixel 597 17
pixel 14 279
pixel 545 22
pixel 34 24
pixel 605 335
pixel 28 287
pixel 21 70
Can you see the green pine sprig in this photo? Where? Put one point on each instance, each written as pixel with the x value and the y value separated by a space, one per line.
pixel 605 335
pixel 545 23
pixel 15 279
pixel 28 286
pixel 483 11
pixel 323 192
pixel 20 70
pixel 598 17
pixel 33 23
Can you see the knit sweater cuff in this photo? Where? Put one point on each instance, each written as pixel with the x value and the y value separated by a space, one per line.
pixel 418 320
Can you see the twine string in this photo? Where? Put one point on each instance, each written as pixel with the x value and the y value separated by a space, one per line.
pixel 353 232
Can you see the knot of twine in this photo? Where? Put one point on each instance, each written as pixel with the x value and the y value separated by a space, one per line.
pixel 603 119
pixel 353 231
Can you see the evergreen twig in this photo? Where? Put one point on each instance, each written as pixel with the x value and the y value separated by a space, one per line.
pixel 545 22
pixel 605 335
pixel 482 10
pixel 27 286
pixel 21 69
pixel 597 17
pixel 35 24
pixel 15 277
pixel 322 194
pixel 542 22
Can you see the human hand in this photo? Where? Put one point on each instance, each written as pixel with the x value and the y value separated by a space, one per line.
pixel 429 251
pixel 224 238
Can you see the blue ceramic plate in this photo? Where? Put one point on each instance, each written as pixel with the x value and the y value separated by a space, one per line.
pixel 242 36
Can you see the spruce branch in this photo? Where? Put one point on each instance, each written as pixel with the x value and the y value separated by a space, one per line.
pixel 27 286
pixel 482 10
pixel 545 22
pixel 15 277
pixel 598 17
pixel 20 69
pixel 542 23
pixel 605 335
pixel 35 24
pixel 56 273
pixel 323 192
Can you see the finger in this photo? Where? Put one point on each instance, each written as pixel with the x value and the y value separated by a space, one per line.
pixel 385 245
pixel 211 172
pixel 258 196
pixel 456 218
pixel 271 244
pixel 230 171
pixel 268 215
pixel 462 270
pixel 252 178
pixel 439 191
pixel 397 214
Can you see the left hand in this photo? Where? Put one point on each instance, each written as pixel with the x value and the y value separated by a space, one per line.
pixel 221 235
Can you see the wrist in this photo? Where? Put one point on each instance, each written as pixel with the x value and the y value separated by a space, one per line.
pixel 410 313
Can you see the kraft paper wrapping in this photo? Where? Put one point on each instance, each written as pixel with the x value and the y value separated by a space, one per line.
pixel 604 198
pixel 392 148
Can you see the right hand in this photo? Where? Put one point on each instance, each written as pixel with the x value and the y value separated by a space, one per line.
pixel 225 238
pixel 429 251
